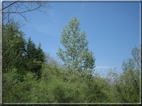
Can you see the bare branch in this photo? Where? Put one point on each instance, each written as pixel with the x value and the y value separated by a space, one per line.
pixel 21 8
pixel 24 17
pixel 9 5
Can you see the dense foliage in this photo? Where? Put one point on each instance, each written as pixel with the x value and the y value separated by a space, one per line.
pixel 19 53
pixel 27 78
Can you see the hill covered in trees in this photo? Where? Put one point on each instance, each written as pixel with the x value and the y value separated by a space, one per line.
pixel 29 78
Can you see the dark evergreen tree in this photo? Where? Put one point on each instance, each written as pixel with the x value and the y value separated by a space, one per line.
pixel 19 54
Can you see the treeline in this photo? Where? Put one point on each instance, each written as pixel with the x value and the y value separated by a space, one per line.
pixel 28 78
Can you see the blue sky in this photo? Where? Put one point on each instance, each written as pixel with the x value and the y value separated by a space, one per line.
pixel 112 29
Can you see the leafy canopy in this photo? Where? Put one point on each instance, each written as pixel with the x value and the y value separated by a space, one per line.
pixel 76 54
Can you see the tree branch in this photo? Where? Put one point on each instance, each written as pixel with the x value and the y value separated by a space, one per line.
pixel 9 5
pixel 21 8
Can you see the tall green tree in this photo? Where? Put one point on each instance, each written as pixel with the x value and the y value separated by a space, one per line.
pixel 76 54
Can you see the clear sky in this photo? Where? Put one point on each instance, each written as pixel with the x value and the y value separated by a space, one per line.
pixel 112 29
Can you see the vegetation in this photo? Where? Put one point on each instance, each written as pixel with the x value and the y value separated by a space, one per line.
pixel 18 53
pixel 28 78
pixel 76 55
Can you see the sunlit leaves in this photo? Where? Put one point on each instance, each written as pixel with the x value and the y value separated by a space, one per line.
pixel 76 54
